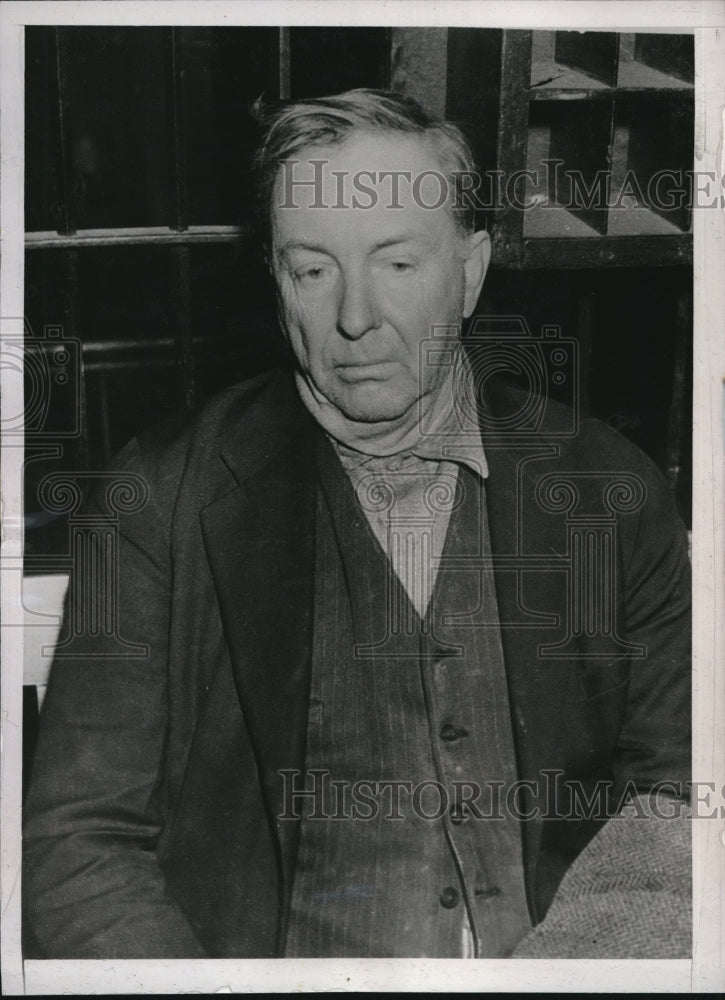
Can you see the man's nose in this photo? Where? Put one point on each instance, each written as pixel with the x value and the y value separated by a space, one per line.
pixel 358 312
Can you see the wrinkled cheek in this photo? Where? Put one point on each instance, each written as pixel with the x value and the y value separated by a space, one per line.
pixel 305 329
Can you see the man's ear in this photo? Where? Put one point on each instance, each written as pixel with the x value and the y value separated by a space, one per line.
pixel 478 249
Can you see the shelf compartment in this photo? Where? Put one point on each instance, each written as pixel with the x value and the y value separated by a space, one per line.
pixel 554 78
pixel 655 63
pixel 672 55
pixel 595 53
pixel 580 136
pixel 659 136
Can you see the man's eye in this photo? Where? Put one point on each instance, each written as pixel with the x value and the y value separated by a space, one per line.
pixel 311 273
pixel 401 266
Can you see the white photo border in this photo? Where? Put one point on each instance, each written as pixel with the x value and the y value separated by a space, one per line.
pixel 705 972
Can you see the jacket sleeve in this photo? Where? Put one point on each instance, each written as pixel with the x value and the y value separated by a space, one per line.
pixel 95 810
pixel 654 745
pixel 628 894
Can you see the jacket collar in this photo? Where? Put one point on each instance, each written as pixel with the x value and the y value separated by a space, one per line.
pixel 266 423
pixel 260 543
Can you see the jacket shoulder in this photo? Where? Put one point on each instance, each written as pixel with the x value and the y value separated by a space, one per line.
pixel 170 442
pixel 186 446
pixel 584 443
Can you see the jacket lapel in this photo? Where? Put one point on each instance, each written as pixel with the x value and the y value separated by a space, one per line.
pixel 531 566
pixel 528 608
pixel 260 542
pixel 519 531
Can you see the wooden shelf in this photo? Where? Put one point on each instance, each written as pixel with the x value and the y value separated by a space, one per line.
pixel 581 116
pixel 554 81
pixel 564 61
pixel 601 251
pixel 553 221
pixel 640 221
pixel 634 75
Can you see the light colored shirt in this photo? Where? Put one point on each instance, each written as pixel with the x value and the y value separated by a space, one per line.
pixel 408 498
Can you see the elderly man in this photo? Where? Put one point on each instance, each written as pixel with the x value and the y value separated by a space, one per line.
pixel 409 635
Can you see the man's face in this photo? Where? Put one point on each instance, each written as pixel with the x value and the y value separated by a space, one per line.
pixel 361 287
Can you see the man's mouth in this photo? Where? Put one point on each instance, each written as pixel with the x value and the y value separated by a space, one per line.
pixel 365 371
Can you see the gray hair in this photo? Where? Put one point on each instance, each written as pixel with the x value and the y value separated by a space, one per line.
pixel 291 127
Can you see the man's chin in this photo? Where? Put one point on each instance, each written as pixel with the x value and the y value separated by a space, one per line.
pixel 372 403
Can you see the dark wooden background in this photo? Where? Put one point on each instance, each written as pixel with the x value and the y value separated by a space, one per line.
pixel 139 250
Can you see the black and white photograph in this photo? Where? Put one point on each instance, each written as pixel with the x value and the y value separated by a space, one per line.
pixel 362 421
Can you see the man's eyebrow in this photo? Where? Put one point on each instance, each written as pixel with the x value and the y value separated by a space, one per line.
pixel 391 241
pixel 394 241
pixel 302 245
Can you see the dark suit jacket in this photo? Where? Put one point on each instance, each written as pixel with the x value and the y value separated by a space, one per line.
pixel 152 823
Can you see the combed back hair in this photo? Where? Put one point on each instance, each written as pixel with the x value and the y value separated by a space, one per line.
pixel 289 128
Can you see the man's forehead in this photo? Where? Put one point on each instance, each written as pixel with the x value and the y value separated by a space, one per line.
pixel 370 175
pixel 376 149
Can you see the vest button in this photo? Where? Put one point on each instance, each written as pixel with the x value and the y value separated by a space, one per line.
pixel 449 897
pixel 451 733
